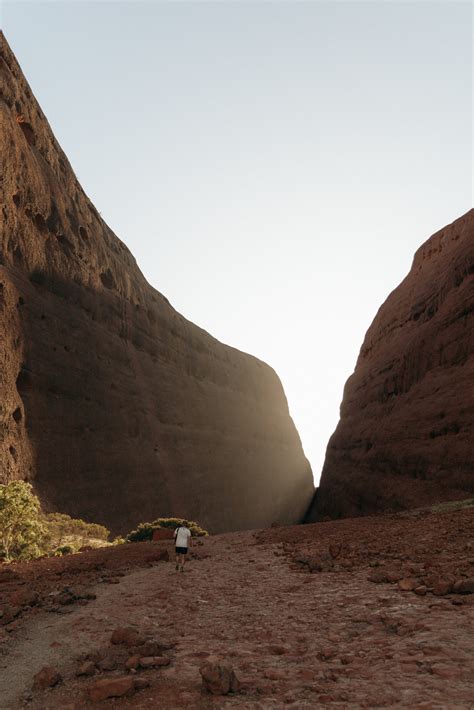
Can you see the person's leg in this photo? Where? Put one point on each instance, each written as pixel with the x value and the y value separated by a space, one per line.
pixel 177 559
pixel 183 558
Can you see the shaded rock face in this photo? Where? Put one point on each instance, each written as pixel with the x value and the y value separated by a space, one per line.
pixel 113 405
pixel 406 435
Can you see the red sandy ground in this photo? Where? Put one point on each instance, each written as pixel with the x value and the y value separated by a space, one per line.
pixel 302 614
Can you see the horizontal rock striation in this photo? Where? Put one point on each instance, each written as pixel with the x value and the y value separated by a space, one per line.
pixel 113 405
pixel 406 433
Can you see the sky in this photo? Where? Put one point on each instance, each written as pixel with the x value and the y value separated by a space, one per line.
pixel 273 166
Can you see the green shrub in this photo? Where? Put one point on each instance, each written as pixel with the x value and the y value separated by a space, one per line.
pixel 22 531
pixel 119 540
pixel 144 531
pixel 26 532
pixel 64 530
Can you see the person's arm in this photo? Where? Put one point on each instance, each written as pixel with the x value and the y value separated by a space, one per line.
pixel 190 539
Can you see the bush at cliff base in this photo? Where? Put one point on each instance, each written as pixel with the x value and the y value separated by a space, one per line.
pixel 64 531
pixel 26 532
pixel 144 531
pixel 22 529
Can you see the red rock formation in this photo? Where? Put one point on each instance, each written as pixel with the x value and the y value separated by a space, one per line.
pixel 406 436
pixel 116 407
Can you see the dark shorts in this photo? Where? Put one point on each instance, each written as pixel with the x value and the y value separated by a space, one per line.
pixel 181 550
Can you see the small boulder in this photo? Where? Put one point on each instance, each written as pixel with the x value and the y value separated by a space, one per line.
pixel 108 663
pixel 392 576
pixel 421 590
pixel 442 587
pixel 111 688
pixel 47 677
pixel 87 668
pixel 464 586
pixel 64 598
pixel 218 678
pixel 377 576
pixel 408 584
pixel 150 648
pixel 133 662
pixel 154 661
pixel 141 683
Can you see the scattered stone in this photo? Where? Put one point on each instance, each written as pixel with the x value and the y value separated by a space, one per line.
pixel 133 662
pixel 108 663
pixel 47 677
pixel 111 688
pixel 141 683
pixel 464 586
pixel 94 656
pixel 442 587
pixel 87 668
pixel 154 661
pixel 218 678
pixel 408 584
pixel 421 590
pixel 392 577
pixel 377 576
pixel 64 598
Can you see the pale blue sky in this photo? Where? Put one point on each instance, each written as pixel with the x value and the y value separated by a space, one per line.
pixel 273 166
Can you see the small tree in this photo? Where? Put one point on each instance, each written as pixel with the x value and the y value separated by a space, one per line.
pixel 21 530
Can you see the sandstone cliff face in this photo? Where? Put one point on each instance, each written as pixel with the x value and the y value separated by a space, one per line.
pixel 406 434
pixel 113 405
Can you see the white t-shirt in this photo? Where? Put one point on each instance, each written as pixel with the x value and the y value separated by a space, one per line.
pixel 182 536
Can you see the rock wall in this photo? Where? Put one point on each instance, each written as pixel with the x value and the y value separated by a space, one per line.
pixel 113 405
pixel 406 434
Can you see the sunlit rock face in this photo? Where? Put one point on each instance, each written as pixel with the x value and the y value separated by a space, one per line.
pixel 406 436
pixel 116 407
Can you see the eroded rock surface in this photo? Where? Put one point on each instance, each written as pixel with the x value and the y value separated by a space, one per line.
pixel 116 407
pixel 405 437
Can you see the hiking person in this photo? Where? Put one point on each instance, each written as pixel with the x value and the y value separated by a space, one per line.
pixel 182 536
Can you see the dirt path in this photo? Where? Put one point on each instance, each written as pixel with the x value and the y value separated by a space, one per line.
pixel 294 638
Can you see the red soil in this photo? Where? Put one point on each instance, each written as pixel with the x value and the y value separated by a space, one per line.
pixel 305 616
